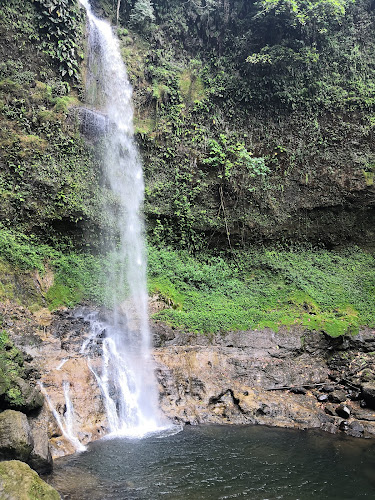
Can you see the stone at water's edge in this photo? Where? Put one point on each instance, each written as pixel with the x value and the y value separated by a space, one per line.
pixel 21 441
pixel 19 482
pixel 40 458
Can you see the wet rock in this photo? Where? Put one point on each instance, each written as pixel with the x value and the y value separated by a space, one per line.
pixel 328 388
pixel 40 458
pixel 322 398
pixel 344 426
pixel 355 429
pixel 330 409
pixel 343 411
pixel 15 436
pixel 298 390
pixel 368 394
pixel 337 396
pixel 19 482
pixel 93 124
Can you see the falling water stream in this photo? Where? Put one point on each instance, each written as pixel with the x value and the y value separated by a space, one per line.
pixel 126 377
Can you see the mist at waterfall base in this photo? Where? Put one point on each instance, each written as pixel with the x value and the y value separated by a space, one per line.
pixel 216 462
pixel 126 378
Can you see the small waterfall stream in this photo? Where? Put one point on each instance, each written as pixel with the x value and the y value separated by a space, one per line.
pixel 67 422
pixel 126 377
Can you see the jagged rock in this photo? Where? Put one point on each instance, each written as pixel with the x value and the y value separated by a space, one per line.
pixel 19 482
pixel 328 388
pixel 32 398
pixel 40 458
pixel 343 411
pixel 298 390
pixel 92 123
pixel 364 414
pixel 15 436
pixel 330 409
pixel 355 429
pixel 368 394
pixel 337 396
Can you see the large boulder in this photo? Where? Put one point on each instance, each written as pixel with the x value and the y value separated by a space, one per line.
pixel 32 398
pixel 16 392
pixel 19 482
pixel 40 458
pixel 15 436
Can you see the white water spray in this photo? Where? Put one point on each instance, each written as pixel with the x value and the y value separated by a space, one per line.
pixel 65 423
pixel 126 377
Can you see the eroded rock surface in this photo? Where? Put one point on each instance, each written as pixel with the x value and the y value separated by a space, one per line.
pixel 53 343
pixel 291 378
pixel 261 377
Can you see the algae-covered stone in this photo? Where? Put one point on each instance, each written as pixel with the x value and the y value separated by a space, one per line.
pixel 19 482
pixel 15 436
pixel 32 398
pixel 16 392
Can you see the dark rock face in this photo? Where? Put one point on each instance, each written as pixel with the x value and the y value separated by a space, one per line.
pixel 343 411
pixel 368 393
pixel 93 124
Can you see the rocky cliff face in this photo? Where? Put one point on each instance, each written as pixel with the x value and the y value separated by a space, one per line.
pixel 291 378
pixel 286 379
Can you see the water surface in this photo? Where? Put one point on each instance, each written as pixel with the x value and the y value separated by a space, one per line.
pixel 216 462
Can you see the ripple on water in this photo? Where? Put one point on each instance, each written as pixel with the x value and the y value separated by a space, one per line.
pixel 216 462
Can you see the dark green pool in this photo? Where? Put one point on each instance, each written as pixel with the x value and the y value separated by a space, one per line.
pixel 214 462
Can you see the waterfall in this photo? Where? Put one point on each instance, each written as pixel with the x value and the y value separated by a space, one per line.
pixel 65 423
pixel 126 377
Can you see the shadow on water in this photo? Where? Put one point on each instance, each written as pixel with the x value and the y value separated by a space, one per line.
pixel 215 462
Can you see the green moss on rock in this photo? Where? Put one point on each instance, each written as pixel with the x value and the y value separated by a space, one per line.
pixel 19 482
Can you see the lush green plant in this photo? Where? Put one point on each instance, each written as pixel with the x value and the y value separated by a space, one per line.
pixel 11 368
pixel 61 25
pixel 227 157
pixel 142 14
pixel 332 292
